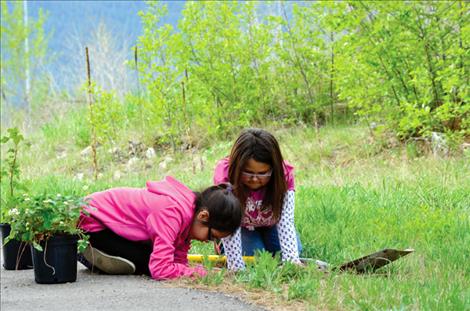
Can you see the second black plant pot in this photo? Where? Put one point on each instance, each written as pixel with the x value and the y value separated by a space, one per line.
pixel 16 254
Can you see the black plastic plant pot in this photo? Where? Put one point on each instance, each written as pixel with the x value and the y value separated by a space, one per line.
pixel 16 254
pixel 57 263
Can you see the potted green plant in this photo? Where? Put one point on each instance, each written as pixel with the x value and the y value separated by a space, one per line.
pixel 49 224
pixel 16 254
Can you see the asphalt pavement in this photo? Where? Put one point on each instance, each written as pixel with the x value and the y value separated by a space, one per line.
pixel 19 292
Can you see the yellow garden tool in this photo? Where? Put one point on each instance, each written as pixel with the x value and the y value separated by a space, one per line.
pixel 368 263
pixel 217 259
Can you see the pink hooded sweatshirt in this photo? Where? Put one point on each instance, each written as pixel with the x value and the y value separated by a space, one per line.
pixel 162 213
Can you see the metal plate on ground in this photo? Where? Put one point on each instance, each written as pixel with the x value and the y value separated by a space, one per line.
pixel 374 261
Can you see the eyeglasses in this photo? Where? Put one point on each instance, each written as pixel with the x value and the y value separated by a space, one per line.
pixel 259 176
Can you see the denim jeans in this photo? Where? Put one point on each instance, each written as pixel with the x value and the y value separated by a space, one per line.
pixel 262 238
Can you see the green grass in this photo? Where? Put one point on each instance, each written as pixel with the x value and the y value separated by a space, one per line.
pixel 341 223
pixel 353 197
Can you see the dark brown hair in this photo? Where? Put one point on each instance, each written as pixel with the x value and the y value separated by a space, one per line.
pixel 261 146
pixel 225 211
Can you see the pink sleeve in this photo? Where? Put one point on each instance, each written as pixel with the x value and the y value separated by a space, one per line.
pixel 289 174
pixel 181 254
pixel 164 227
pixel 221 171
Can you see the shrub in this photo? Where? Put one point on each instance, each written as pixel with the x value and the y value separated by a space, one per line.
pixel 10 173
pixel 38 218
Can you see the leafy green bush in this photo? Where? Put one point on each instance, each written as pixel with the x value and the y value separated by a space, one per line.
pixel 109 115
pixel 396 63
pixel 38 218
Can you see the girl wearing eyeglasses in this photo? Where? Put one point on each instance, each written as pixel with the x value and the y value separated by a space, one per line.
pixel 264 184
pixel 148 230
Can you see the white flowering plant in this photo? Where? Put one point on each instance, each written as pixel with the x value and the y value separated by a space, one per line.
pixel 37 218
pixel 10 173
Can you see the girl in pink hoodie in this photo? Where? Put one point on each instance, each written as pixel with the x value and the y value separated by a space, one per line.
pixel 148 230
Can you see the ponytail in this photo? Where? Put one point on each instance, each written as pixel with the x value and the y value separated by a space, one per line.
pixel 225 212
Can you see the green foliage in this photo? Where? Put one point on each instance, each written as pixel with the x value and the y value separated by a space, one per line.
pixel 71 127
pixel 349 203
pixel 267 274
pixel 208 73
pixel 352 220
pixel 158 74
pixel 10 172
pixel 39 217
pixel 404 63
pixel 398 63
pixel 108 117
pixel 215 275
pixel 351 200
pixel 230 65
pixel 402 66
pixel 18 63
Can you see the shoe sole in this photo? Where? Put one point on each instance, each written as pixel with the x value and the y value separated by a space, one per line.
pixel 107 263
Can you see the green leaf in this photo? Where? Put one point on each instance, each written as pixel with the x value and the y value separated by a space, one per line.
pixel 37 246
